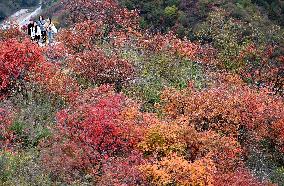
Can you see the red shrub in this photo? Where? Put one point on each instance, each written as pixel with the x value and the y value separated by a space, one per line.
pixel 96 66
pixel 93 130
pixel 107 11
pixel 55 80
pixel 241 177
pixel 16 60
pixel 124 171
pixel 12 33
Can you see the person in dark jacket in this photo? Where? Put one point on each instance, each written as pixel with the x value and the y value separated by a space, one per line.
pixel 30 25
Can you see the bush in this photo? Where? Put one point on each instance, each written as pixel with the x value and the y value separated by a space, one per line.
pixel 159 71
pixel 21 169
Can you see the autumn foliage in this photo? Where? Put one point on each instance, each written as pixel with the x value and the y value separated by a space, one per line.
pixel 245 115
pixel 12 33
pixel 91 116
pixel 94 132
pixel 17 59
pixel 176 170
pixel 264 67
pixel 54 80
pixel 5 123
pixel 95 65
pixel 108 12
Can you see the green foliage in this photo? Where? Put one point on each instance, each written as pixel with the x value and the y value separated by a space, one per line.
pixel 274 9
pixel 48 3
pixel 278 176
pixel 231 36
pixel 21 169
pixel 35 115
pixel 17 127
pixel 143 23
pixel 159 71
pixel 158 15
pixel 29 2
pixel 171 12
pixel 29 136
pixel 184 16
pixel 266 161
pixel 225 34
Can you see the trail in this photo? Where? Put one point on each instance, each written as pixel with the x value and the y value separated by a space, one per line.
pixel 26 19
pixel 22 16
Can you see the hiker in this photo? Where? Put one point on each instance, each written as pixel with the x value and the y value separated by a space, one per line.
pixel 41 23
pixel 48 30
pixel 33 32
pixel 51 30
pixel 30 25
pixel 37 32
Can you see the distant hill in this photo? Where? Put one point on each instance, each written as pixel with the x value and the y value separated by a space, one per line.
pixel 9 7
pixel 185 15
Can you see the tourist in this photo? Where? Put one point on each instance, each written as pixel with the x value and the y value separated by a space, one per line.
pixel 37 32
pixel 30 25
pixel 51 30
pixel 33 32
pixel 41 24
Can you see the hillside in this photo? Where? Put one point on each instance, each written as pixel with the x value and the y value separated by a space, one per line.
pixel 8 7
pixel 150 92
pixel 184 15
pixel 230 26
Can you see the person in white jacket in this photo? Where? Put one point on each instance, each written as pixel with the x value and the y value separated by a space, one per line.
pixel 51 30
pixel 33 32
pixel 37 32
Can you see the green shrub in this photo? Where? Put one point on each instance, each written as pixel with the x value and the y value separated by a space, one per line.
pixel 21 169
pixel 159 71
pixel 171 12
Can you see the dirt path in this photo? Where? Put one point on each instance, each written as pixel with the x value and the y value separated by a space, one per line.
pixel 23 16
pixel 23 20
